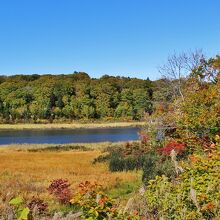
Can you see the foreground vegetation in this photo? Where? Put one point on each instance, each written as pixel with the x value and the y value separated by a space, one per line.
pixel 28 172
pixel 178 158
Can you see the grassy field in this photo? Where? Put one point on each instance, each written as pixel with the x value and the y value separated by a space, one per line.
pixel 28 174
pixel 71 125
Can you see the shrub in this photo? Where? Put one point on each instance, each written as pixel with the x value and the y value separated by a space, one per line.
pixel 194 194
pixel 119 163
pixel 60 189
pixel 116 163
pixel 156 165
pixel 129 157
pixel 37 205
pixel 94 203
pixel 172 145
pixel 101 158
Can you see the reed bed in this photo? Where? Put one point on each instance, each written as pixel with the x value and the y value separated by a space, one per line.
pixel 74 125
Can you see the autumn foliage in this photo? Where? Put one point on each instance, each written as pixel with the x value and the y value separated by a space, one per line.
pixel 60 188
pixel 172 145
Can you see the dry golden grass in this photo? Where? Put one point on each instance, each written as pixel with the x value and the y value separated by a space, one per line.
pixel 71 125
pixel 28 174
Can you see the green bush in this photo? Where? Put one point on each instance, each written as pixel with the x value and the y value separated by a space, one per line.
pixel 119 163
pixel 135 156
pixel 192 195
pixel 156 165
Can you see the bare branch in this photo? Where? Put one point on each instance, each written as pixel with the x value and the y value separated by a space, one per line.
pixel 179 67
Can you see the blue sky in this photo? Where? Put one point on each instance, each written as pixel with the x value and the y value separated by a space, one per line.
pixel 115 37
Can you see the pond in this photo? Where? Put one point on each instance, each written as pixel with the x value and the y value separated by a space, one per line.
pixel 63 136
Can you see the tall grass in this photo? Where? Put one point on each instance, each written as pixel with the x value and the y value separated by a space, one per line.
pixel 29 174
pixel 74 125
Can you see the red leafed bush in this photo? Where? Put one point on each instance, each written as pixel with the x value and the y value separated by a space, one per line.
pixel 60 189
pixel 37 205
pixel 172 145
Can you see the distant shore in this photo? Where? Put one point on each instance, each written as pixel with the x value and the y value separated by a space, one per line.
pixel 71 125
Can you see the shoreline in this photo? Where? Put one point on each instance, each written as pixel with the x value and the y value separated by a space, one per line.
pixel 70 126
pixel 88 146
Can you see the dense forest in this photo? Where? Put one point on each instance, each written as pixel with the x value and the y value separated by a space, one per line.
pixel 38 98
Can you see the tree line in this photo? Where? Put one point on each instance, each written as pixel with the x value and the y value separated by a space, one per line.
pixel 33 98
pixel 50 98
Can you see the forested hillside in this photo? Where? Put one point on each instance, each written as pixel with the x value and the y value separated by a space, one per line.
pixel 38 98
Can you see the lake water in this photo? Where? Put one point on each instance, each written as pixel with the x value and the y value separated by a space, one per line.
pixel 62 136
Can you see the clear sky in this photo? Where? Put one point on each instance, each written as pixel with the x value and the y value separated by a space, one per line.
pixel 115 37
